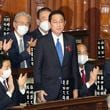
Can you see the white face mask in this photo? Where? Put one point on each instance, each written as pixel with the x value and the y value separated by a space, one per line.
pixel 22 30
pixel 82 59
pixel 44 26
pixel 6 73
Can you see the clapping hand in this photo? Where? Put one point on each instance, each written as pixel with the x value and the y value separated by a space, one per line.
pixel 7 45
pixel 10 84
pixel 22 80
pixel 93 75
pixel 32 42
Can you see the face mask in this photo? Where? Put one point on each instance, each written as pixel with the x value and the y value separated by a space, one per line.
pixel 82 59
pixel 22 30
pixel 45 26
pixel 6 73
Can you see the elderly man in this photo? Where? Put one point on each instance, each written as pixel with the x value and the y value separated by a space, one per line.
pixel 87 73
pixel 19 52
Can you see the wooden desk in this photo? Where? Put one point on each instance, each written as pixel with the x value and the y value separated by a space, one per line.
pixel 87 103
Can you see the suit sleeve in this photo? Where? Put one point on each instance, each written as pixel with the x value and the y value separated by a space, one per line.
pixel 5 101
pixel 38 61
pixel 107 75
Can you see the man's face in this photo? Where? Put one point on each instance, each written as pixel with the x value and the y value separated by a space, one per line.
pixel 6 65
pixel 1 2
pixel 57 24
pixel 43 16
pixel 21 21
pixel 82 50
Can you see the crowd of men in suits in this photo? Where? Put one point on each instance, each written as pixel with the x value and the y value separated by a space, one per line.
pixel 59 63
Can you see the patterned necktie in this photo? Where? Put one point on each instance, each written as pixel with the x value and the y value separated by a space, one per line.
pixel 83 77
pixel 59 51
pixel 21 49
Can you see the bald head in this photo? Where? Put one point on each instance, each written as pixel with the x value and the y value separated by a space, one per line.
pixel 82 49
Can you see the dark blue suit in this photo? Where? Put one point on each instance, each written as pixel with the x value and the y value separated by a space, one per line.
pixel 48 73
pixel 6 101
pixel 107 75
pixel 14 55
pixel 83 90
pixel 36 34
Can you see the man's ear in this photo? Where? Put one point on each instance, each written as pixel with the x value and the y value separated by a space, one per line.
pixel 1 72
pixel 14 24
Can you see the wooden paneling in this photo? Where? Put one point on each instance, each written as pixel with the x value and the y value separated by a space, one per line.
pixel 14 6
pixel 80 15
pixel 105 25
pixel 87 103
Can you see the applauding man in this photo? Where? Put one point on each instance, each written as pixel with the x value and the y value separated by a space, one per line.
pixel 12 92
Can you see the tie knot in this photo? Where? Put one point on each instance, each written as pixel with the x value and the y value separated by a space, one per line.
pixel 82 71
pixel 57 39
pixel 83 76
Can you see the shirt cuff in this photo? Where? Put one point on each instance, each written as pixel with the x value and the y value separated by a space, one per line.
pixel 9 94
pixel 88 85
pixel 22 90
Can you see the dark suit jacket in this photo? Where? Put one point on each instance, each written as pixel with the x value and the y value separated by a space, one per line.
pixel 14 55
pixel 6 101
pixel 107 75
pixel 48 72
pixel 83 90
pixel 36 34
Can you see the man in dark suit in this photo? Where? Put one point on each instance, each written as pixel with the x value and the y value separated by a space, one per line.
pixel 19 52
pixel 12 92
pixel 87 73
pixel 55 61
pixel 42 23
pixel 107 75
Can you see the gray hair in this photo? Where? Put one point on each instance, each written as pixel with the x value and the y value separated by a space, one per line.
pixel 22 14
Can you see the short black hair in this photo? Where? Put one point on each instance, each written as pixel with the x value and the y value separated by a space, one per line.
pixel 3 58
pixel 56 12
pixel 43 9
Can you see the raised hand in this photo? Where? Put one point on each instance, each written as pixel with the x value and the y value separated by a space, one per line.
pixel 10 84
pixel 32 42
pixel 7 45
pixel 22 80
pixel 93 75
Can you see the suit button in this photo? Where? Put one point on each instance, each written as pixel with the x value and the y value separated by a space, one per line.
pixel 60 78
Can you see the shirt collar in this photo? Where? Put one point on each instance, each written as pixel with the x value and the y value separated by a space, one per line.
pixel 81 68
pixel 1 79
pixel 60 37
pixel 18 37
pixel 43 33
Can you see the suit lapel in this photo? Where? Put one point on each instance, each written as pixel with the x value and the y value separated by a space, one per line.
pixel 2 87
pixel 65 44
pixel 87 72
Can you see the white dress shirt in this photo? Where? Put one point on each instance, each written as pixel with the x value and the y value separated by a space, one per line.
pixel 18 40
pixel 87 84
pixel 60 37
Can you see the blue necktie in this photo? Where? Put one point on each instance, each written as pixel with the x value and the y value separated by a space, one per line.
pixel 59 51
